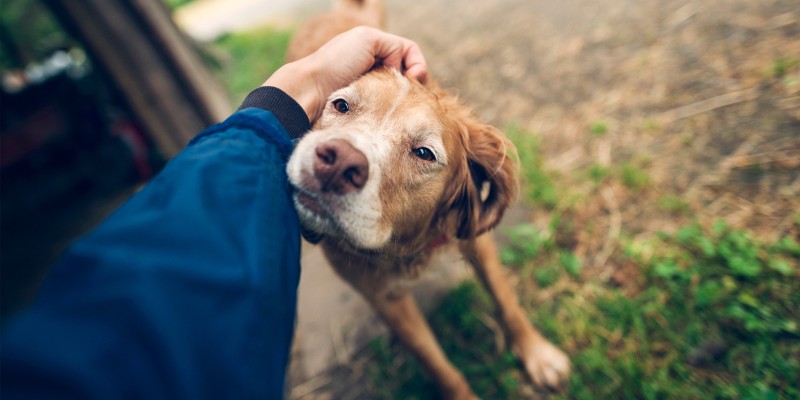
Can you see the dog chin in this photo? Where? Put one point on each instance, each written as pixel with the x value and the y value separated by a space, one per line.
pixel 313 218
pixel 316 222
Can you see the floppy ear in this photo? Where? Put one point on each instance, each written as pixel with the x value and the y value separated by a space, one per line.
pixel 491 184
pixel 485 182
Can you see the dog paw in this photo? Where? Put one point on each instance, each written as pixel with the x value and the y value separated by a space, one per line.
pixel 547 365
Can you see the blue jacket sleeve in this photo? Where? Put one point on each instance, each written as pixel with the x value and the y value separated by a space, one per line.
pixel 188 291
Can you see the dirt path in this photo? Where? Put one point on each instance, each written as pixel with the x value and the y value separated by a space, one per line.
pixel 687 91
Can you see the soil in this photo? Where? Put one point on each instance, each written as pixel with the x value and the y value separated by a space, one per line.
pixel 702 96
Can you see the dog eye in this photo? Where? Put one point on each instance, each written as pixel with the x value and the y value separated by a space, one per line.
pixel 341 106
pixel 424 153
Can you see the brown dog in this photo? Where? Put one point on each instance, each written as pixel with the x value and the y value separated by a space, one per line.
pixel 391 172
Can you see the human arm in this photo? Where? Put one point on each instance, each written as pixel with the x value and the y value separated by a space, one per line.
pixel 188 290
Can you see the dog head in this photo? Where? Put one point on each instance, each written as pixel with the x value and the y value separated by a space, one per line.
pixel 393 163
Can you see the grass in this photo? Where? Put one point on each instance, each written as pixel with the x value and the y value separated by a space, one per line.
pixel 706 311
pixel 175 4
pixel 598 173
pixel 715 317
pixel 634 176
pixel 249 58
pixel 598 128
pixel 781 66
pixel 538 184
pixel 673 204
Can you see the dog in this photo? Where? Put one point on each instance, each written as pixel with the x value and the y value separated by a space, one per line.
pixel 395 170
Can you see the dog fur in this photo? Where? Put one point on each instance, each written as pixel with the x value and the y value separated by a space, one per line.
pixel 391 172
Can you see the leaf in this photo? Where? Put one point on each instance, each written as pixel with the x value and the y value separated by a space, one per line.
pixel 546 276
pixel 688 235
pixel 751 321
pixel 510 256
pixel 707 293
pixel 666 269
pixel 781 266
pixel 789 246
pixel 748 299
pixel 570 262
pixel 719 227
pixel 706 246
pixel 526 243
pixel 742 266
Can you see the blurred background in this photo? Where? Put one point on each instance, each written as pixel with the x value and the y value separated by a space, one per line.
pixel 656 238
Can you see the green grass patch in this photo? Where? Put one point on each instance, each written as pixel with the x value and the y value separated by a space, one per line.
pixel 782 65
pixel 716 317
pixel 570 262
pixel 598 173
pixel 249 58
pixel 525 243
pixel 633 176
pixel 673 204
pixel 539 186
pixel 598 128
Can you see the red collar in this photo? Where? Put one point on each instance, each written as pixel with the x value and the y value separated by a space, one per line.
pixel 438 242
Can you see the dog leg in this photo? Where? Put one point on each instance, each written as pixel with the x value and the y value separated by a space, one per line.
pixel 545 363
pixel 405 319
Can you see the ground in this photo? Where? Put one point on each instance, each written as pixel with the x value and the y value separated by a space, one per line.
pixel 688 91
pixel 649 115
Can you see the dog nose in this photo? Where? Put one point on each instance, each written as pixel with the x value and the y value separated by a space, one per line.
pixel 340 167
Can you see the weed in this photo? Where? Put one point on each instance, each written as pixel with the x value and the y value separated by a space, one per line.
pixel 673 204
pixel 539 185
pixel 634 177
pixel 570 262
pixel 782 65
pixel 526 242
pixel 598 129
pixel 547 275
pixel 598 173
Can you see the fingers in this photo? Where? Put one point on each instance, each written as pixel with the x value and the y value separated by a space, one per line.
pixel 344 59
pixel 414 63
pixel 400 53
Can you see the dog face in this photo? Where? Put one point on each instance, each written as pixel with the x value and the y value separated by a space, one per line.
pixel 394 163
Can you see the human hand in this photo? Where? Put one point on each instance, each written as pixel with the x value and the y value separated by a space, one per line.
pixel 341 61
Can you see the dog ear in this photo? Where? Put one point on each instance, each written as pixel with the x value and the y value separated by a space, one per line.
pixel 492 183
pixel 311 236
pixel 486 182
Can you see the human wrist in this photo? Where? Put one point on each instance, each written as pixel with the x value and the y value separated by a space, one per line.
pixel 288 112
pixel 299 80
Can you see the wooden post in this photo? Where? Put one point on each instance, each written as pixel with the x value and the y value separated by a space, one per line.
pixel 165 82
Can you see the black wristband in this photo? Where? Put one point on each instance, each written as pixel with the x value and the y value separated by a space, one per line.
pixel 290 114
